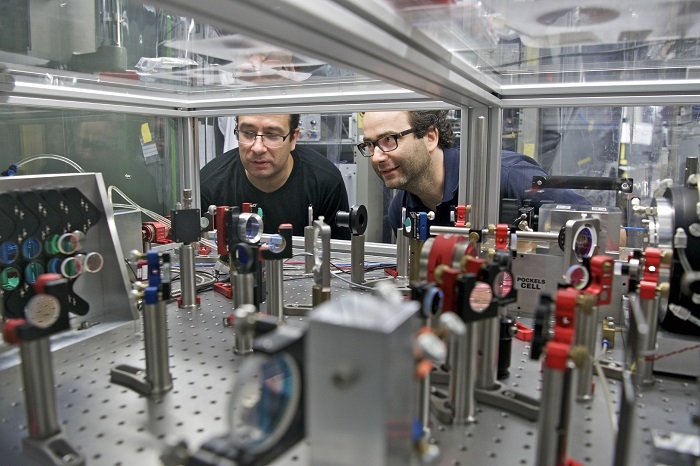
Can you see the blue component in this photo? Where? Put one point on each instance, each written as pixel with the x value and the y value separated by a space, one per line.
pixel 150 296
pixel 432 302
pixel 153 261
pixel 416 430
pixel 423 226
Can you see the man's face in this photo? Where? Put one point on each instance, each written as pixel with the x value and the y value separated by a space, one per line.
pixel 400 168
pixel 261 162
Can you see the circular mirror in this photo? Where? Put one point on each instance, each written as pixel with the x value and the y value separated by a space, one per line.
pixel 481 296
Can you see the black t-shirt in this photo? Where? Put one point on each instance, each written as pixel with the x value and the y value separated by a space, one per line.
pixel 314 180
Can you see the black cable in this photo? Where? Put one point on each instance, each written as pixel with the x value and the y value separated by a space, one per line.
pixel 133 272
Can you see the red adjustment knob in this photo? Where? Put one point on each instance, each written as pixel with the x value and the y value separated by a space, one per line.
pixel 228 321
pixel 9 333
pixel 43 279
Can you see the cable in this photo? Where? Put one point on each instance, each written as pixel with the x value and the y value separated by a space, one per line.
pixel 133 272
pixel 604 384
pixel 60 158
pixel 660 356
pixel 607 396
pixel 356 285
pixel 683 313
pixel 150 213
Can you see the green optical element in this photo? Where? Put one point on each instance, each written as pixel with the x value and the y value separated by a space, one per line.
pixel 8 252
pixel 32 272
pixel 10 278
pixel 51 245
pixel 71 268
pixel 31 248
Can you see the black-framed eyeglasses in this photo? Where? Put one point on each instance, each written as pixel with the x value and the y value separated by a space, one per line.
pixel 270 140
pixel 385 143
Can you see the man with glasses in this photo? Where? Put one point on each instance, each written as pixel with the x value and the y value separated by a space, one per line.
pixel 413 152
pixel 283 179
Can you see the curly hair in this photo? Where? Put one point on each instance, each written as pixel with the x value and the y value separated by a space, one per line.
pixel 423 120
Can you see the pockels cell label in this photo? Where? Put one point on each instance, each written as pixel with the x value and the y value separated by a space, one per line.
pixel 530 283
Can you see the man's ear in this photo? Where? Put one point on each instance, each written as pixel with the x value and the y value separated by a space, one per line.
pixel 431 138
pixel 294 137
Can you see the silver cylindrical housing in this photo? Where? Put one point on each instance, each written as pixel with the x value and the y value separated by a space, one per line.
pixel 551 431
pixel 188 286
pixel 275 282
pixel 39 394
pixel 585 336
pixel 357 259
pixel 423 401
pixel 155 335
pixel 402 251
pixel 243 288
pixel 414 269
pixel 243 329
pixel 650 308
pixel 489 336
pixel 461 354
pixel 309 249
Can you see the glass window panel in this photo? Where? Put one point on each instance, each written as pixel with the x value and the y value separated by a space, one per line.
pixel 135 153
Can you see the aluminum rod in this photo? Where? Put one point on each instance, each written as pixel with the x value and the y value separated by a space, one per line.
pixel 188 158
pixel 402 252
pixel 550 418
pixel 243 289
pixel 490 333
pixel 650 308
pixel 357 259
pixel 585 336
pixel 462 355
pixel 155 335
pixel 188 286
pixel 39 394
pixel 525 235
pixel 275 282
pixel 478 181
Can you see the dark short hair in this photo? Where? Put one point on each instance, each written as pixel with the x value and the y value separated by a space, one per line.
pixel 423 120
pixel 293 121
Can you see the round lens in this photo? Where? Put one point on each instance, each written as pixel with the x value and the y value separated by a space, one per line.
pixel 32 271
pixel 480 297
pixel 31 248
pixel 264 402
pixel 502 284
pixel 432 301
pixel 71 267
pixel 68 243
pixel 577 276
pixel 250 227
pixel 277 244
pixel 10 278
pixel 8 252
pixel 584 243
pixel 93 262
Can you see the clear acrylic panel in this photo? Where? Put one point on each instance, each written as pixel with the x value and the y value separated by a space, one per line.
pixel 564 41
pixel 135 153
pixel 128 43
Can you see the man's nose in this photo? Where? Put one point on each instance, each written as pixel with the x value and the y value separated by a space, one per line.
pixel 378 154
pixel 259 144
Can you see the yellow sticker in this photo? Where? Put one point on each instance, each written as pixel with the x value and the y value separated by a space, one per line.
pixel 529 149
pixel 145 133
